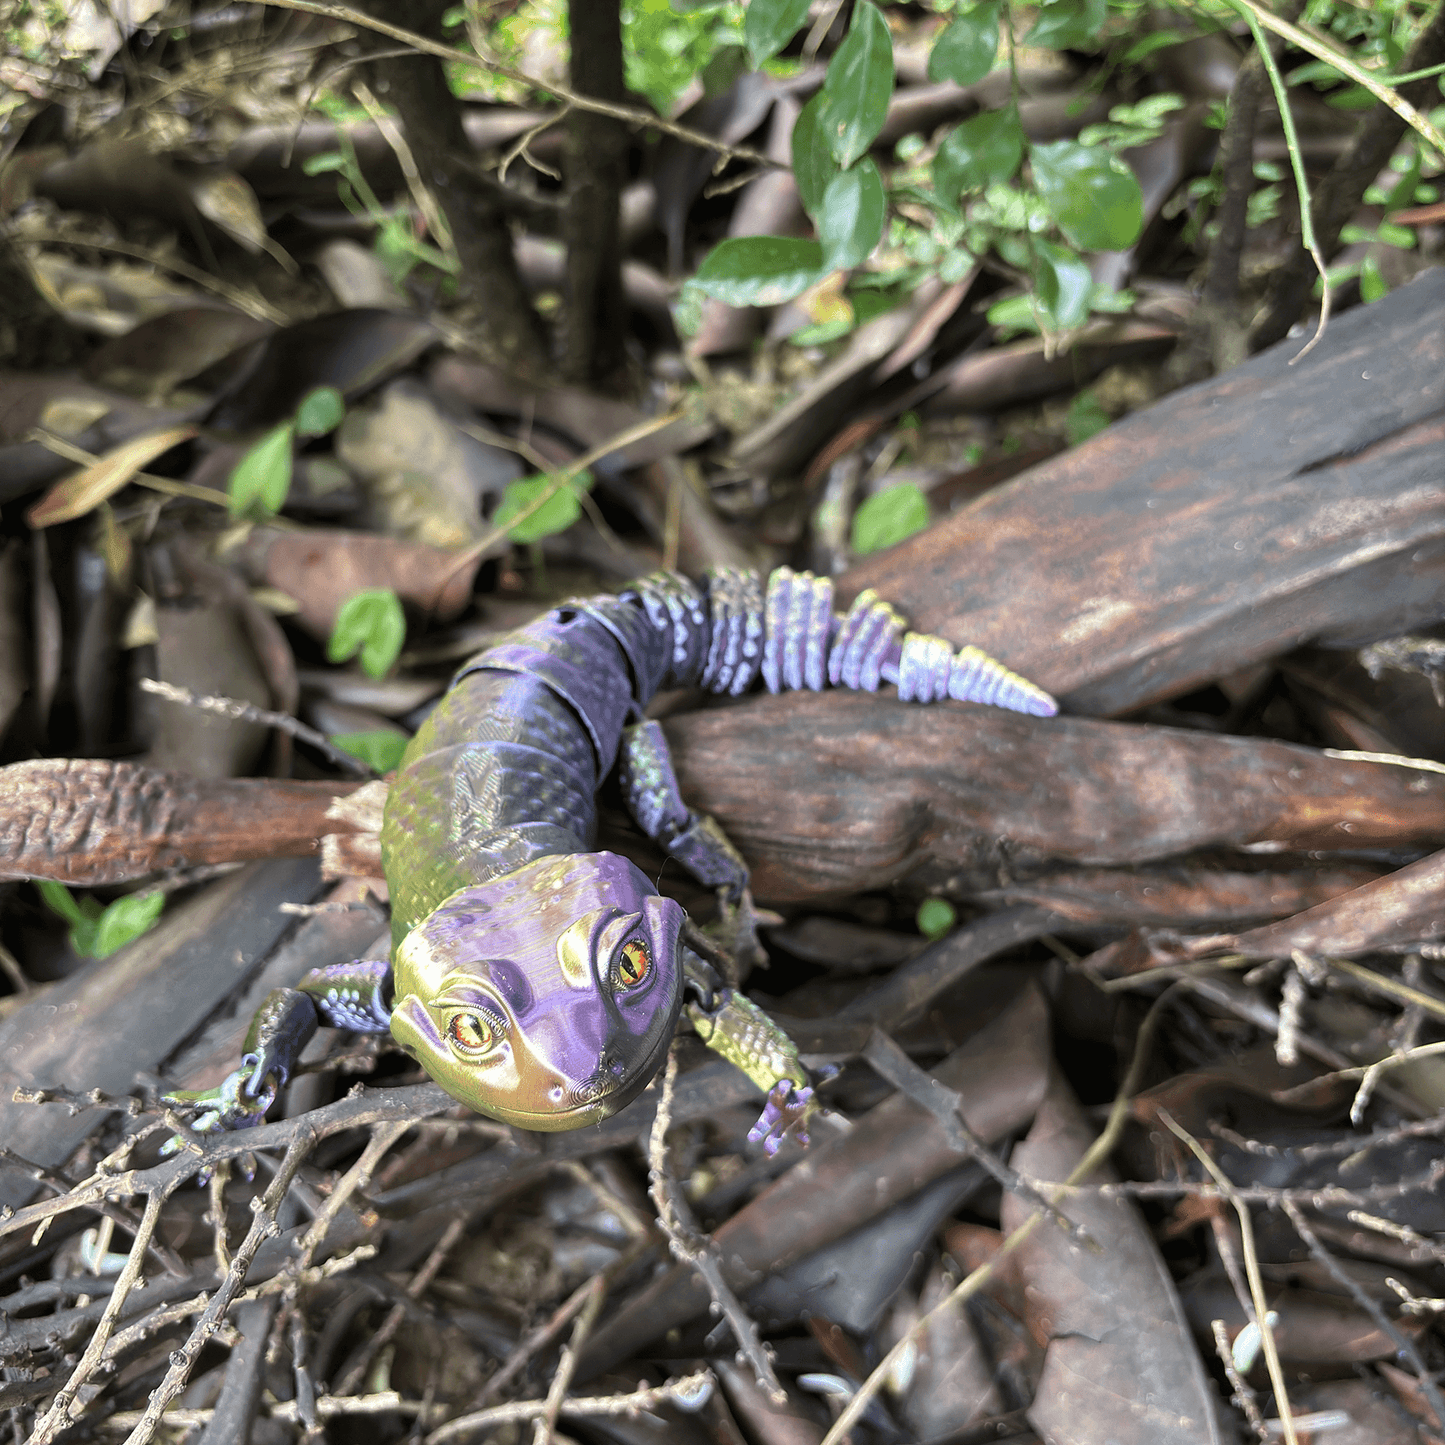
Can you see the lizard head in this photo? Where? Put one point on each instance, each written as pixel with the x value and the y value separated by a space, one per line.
pixel 545 997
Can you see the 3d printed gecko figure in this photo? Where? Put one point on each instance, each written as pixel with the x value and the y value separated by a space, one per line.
pixel 535 981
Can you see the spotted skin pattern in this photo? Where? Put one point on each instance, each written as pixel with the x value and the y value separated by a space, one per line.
pixel 537 981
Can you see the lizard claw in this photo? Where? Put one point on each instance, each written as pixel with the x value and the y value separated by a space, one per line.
pixel 786 1112
pixel 736 929
pixel 236 1103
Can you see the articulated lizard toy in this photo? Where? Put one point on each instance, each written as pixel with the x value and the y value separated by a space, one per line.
pixel 535 981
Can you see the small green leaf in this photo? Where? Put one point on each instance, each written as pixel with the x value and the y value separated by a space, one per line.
pixel 262 477
pixel 326 161
pixel 373 624
pixel 58 900
pixel 984 150
pixel 1372 282
pixel 320 411
pixel 770 24
pixel 850 221
pixel 1067 24
pixel 555 514
pixel 888 517
pixel 1063 284
pixel 125 920
pixel 936 917
pixel 759 270
pixel 859 85
pixel 1012 315
pixel 813 163
pixel 965 50
pixel 1092 195
pixel 1086 418
pixel 380 749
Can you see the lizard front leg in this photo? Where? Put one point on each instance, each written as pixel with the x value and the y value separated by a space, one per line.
pixel 354 996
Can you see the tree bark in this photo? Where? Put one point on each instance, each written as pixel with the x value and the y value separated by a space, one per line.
pixel 595 327
pixel 494 307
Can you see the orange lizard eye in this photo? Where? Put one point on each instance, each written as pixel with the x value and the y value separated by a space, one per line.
pixel 634 963
pixel 472 1033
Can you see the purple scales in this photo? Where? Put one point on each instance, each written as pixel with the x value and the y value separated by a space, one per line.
pixel 539 982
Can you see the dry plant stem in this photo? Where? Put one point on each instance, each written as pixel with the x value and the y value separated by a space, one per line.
pixel 692 1247
pixel 425 202
pixel 58 1416
pixel 357 1177
pixel 264 717
pixel 263 1227
pixel 393 1321
pixel 1296 159
pixel 889 1061
pixel 358 1110
pixel 579 1407
pixel 1251 1269
pixel 1391 987
pixel 539 1338
pixel 72 453
pixel 1325 50
pixel 560 478
pixel 1243 1395
pixel 246 301
pixel 1398 1338
pixel 1093 1157
pixel 1338 195
pixel 631 114
pixel 543 1429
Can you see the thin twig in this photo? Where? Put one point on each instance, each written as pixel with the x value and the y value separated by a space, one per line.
pixel 393 1321
pixel 1243 1395
pixel 946 1105
pixel 1254 17
pixel 543 1429
pixel 1251 1269
pixel 263 717
pixel 684 1387
pixel 1093 1157
pixel 263 1227
pixel 1402 1342
pixel 58 1417
pixel 692 1247
pixel 632 115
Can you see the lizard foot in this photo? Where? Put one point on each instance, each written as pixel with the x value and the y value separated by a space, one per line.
pixel 235 1104
pixel 736 930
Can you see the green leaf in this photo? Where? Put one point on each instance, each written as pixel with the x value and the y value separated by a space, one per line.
pixel 1067 24
pixel 770 24
pixel 759 270
pixel 125 920
pixel 1372 281
pixel 320 411
pixel 965 50
pixel 1063 284
pixel 1012 315
pixel 813 163
pixel 1085 418
pixel 262 477
pixel 560 509
pixel 888 517
pixel 983 150
pixel 58 900
pixel 936 917
pixel 1092 195
pixel 326 161
pixel 850 221
pixel 380 749
pixel 373 624
pixel 858 85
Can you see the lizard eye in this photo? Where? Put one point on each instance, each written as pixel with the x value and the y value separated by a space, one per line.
pixel 634 963
pixel 472 1033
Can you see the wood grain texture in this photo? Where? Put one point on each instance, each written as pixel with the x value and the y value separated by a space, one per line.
pixel 1230 522
pixel 92 822
pixel 829 792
